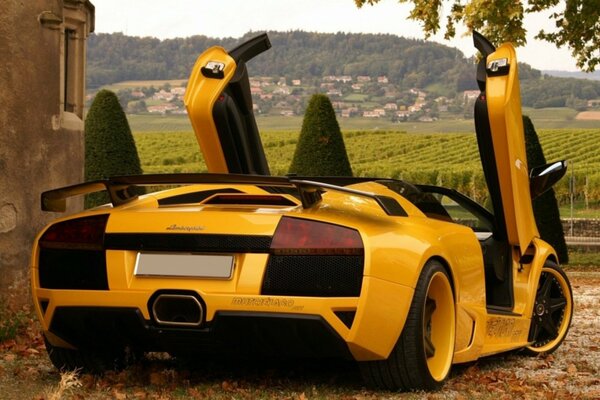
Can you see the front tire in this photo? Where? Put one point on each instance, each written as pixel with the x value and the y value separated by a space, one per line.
pixel 422 356
pixel 552 311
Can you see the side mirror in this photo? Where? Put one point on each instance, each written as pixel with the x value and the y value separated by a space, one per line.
pixel 545 176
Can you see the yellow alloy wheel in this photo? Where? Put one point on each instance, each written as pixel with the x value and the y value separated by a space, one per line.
pixel 552 311
pixel 438 326
pixel 422 356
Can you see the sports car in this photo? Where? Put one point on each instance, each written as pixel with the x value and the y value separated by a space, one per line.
pixel 405 279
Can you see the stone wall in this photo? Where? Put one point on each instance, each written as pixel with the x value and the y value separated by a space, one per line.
pixel 41 145
pixel 582 227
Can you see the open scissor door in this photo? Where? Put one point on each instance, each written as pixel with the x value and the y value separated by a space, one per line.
pixel 219 105
pixel 501 140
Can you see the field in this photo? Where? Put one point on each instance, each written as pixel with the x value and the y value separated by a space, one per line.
pixel 546 118
pixel 139 84
pixel 449 159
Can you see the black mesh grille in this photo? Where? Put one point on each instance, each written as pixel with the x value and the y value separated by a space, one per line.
pixel 72 269
pixel 314 275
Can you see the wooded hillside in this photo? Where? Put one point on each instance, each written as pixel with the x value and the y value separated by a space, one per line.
pixel 296 55
pixel 302 55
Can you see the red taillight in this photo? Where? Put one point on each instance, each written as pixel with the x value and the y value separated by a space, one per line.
pixel 81 233
pixel 302 236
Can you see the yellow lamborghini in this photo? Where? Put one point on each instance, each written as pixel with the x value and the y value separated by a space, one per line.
pixel 406 279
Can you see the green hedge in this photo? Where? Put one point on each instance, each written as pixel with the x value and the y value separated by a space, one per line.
pixel 109 146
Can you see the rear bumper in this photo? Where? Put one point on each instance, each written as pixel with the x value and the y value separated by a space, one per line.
pixel 233 333
pixel 314 326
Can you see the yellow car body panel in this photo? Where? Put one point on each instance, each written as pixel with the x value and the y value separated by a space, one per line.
pixel 506 122
pixel 200 111
pixel 381 311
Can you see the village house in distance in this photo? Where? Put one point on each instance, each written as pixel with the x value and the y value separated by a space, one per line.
pixel 352 97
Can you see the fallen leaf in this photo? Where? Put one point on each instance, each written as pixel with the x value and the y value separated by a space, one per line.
pixel 594 394
pixel 194 393
pixel 119 395
pixel 572 369
pixel 102 383
pixel 10 357
pixel 157 379
pixel 517 388
pixel 87 381
pixel 140 395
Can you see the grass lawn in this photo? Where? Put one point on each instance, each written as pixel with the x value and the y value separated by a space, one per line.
pixel 580 212
pixel 547 118
pixel 140 84
pixel 356 97
pixel 159 123
pixel 584 259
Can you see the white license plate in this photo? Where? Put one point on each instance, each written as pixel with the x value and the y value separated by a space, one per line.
pixel 184 265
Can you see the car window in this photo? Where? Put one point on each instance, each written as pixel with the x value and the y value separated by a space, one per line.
pixel 444 204
pixel 460 215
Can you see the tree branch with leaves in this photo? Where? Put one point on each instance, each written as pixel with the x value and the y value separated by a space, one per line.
pixel 577 22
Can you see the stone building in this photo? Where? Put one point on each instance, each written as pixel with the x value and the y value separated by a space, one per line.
pixel 42 89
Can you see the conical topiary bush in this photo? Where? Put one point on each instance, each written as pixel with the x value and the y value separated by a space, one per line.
pixel 109 146
pixel 320 150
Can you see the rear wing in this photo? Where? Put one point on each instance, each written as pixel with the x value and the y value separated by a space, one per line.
pixel 121 189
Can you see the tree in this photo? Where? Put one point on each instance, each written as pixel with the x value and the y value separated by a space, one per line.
pixel 109 146
pixel 320 150
pixel 545 207
pixel 577 24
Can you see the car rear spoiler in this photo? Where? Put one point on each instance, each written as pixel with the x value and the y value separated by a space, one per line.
pixel 120 189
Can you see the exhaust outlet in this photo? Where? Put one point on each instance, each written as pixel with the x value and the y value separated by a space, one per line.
pixel 177 310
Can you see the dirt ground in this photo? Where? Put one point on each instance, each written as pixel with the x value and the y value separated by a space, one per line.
pixel 572 372
pixel 589 116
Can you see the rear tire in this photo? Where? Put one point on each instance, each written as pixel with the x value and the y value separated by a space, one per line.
pixel 422 356
pixel 552 311
pixel 88 361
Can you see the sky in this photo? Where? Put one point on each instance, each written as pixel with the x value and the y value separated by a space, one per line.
pixel 233 18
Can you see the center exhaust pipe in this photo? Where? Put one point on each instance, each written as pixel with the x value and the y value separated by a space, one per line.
pixel 177 310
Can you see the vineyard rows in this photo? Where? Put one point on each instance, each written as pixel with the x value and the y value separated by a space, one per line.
pixel 448 159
